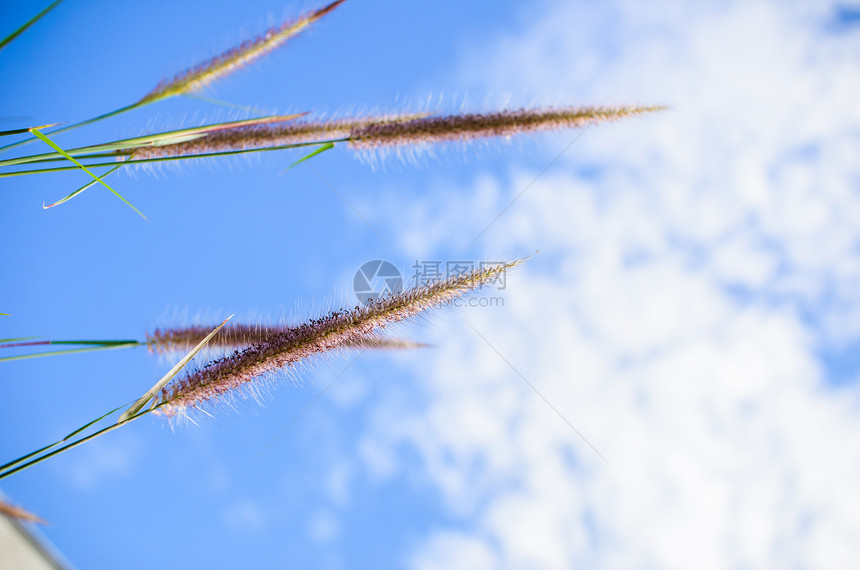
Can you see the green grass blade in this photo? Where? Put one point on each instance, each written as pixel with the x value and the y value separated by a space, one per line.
pixel 24 28
pixel 69 351
pixel 171 158
pixel 135 411
pixel 75 342
pixel 158 139
pixel 74 126
pixel 17 339
pixel 56 443
pixel 69 446
pixel 320 150
pixel 150 394
pixel 51 143
pixel 81 189
pixel 26 130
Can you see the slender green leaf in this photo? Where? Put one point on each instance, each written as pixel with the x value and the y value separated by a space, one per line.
pixel 24 28
pixel 82 342
pixel 158 139
pixel 82 188
pixel 320 150
pixel 56 443
pixel 135 411
pixel 51 143
pixel 171 158
pixel 69 351
pixel 76 125
pixel 150 394
pixel 25 130
pixel 41 458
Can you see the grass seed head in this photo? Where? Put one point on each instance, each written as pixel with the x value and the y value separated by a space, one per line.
pixel 330 332
pixel 205 73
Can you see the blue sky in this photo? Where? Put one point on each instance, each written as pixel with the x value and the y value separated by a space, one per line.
pixel 693 311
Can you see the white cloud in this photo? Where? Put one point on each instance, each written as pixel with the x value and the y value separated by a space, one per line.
pixel 244 515
pixel 324 527
pixel 101 460
pixel 726 445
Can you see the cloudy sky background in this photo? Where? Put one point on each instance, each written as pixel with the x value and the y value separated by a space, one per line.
pixel 673 378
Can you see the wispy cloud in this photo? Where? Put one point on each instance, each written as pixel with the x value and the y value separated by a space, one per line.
pixel 692 278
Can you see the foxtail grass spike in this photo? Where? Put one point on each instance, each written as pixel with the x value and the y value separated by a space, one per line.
pixel 330 332
pixel 242 336
pixel 265 135
pixel 201 75
pixel 18 513
pixel 454 128
pixel 393 130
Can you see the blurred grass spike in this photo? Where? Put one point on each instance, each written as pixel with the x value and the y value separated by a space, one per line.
pixel 228 62
pixel 18 513
pixel 205 73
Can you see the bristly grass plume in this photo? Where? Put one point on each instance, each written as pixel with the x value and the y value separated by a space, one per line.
pixel 371 133
pixel 201 75
pixel 205 73
pixel 237 371
pixel 164 341
pixel 465 127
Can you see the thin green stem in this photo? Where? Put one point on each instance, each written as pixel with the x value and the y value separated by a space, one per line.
pixel 158 139
pixel 82 188
pixel 169 158
pixel 68 351
pixel 53 145
pixel 56 443
pixel 76 443
pixel 27 25
pixel 81 124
